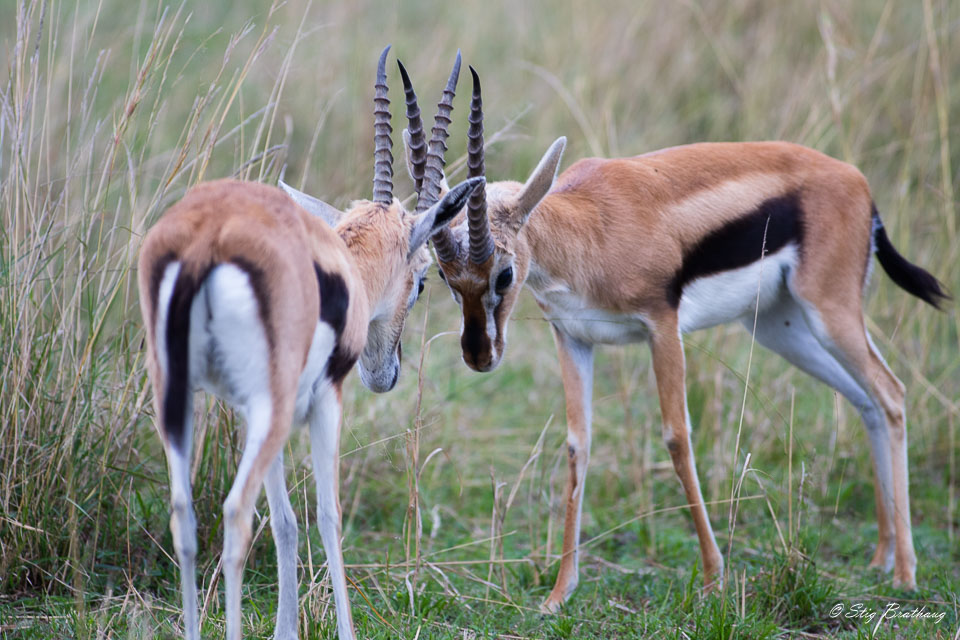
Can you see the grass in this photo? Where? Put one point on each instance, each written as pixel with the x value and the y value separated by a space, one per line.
pixel 110 110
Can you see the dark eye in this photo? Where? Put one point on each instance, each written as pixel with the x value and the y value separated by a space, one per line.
pixel 504 279
pixel 420 287
pixel 442 277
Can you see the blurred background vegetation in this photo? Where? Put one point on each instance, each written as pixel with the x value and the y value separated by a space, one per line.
pixel 110 110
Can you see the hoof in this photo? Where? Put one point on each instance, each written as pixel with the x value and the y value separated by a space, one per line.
pixel 713 587
pixel 551 605
pixel 882 560
pixel 908 583
pixel 881 565
pixel 556 599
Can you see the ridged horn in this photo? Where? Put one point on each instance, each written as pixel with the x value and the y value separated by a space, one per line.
pixel 383 144
pixel 418 141
pixel 481 242
pixel 446 246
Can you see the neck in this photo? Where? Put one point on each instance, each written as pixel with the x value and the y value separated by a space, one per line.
pixel 556 243
pixel 373 284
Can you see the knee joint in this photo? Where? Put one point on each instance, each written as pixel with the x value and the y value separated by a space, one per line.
pixel 236 533
pixel 285 528
pixel 233 557
pixel 898 430
pixel 676 438
pixel 676 446
pixel 576 450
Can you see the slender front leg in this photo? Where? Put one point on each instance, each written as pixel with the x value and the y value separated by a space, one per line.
pixel 283 523
pixel 668 367
pixel 325 445
pixel 576 366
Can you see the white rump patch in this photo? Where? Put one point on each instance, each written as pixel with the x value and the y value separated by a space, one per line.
pixel 164 293
pixel 229 355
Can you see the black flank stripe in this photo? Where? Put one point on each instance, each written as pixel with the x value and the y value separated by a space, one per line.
pixel 334 301
pixel 739 242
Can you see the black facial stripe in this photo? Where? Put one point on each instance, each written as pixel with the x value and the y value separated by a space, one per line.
pixel 334 302
pixel 771 226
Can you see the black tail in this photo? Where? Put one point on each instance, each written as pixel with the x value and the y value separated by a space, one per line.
pixel 907 275
pixel 178 353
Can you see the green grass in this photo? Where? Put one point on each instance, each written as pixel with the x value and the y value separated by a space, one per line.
pixel 109 111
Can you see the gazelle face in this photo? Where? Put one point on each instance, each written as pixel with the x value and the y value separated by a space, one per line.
pixel 488 291
pixel 484 260
pixel 377 237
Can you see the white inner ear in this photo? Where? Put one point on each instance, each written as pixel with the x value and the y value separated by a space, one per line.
pixel 328 213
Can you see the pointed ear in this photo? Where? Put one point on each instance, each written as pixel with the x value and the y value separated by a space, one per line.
pixel 328 213
pixel 440 214
pixel 539 182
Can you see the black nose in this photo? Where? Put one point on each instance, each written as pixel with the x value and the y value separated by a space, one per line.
pixel 476 347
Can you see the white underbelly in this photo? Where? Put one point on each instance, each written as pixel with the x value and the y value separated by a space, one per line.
pixel 571 315
pixel 735 294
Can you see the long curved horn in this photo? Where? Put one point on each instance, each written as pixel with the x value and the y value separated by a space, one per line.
pixel 383 156
pixel 417 141
pixel 433 172
pixel 481 242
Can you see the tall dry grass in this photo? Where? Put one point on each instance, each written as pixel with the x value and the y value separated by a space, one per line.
pixel 110 110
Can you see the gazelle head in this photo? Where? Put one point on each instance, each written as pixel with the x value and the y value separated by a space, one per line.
pixel 484 258
pixel 388 246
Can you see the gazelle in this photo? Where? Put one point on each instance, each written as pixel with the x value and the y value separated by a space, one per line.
pixel 267 301
pixel 651 247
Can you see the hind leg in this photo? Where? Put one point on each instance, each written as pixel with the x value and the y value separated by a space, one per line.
pixel 783 329
pixel 283 523
pixel 183 523
pixel 268 425
pixel 840 330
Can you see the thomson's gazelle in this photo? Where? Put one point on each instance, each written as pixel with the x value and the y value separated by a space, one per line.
pixel 267 301
pixel 651 247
